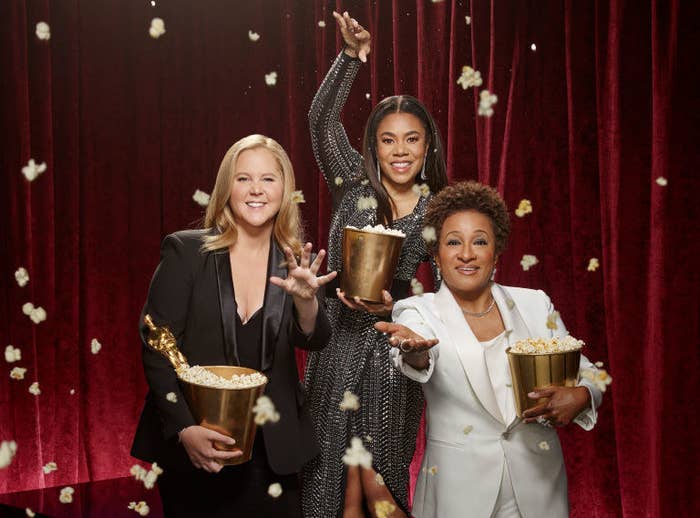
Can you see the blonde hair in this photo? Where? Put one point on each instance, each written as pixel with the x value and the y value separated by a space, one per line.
pixel 287 226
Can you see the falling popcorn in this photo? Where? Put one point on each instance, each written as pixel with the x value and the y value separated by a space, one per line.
pixel 600 378
pixel 366 203
pixel 433 470
pixel 201 198
pixel 533 47
pixel 469 78
pixel 357 455
pixel 264 410
pixel 368 96
pixel 171 396
pixel 379 479
pixel 12 354
pixel 17 373
pixel 37 315
pixel 66 496
pixel 275 490
pixel 43 31
pixel 429 235
pixel 28 511
pixel 663 182
pixel 468 19
pixel 552 320
pixel 467 429
pixel 95 346
pixel 338 181
pixel 22 276
pixel 416 287
pixel 528 261
pixel 253 36
pixel 34 388
pixel 598 364
pixel 524 207
pixel 8 449
pixel 157 28
pixel 384 508
pixel 321 24
pixel 510 303
pixel 148 477
pixel 298 197
pixel 421 190
pixel 49 467
pixel 350 401
pixel 32 170
pixel 593 264
pixel 140 507
pixel 486 101
pixel 72 391
pixel 271 78
pixel 544 446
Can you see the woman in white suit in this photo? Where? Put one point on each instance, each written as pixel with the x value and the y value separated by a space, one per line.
pixel 480 459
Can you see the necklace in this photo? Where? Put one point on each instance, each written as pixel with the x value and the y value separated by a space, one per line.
pixel 481 313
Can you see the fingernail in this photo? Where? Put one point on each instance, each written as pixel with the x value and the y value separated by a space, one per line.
pixel 532 394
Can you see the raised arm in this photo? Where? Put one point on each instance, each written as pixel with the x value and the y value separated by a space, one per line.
pixel 334 154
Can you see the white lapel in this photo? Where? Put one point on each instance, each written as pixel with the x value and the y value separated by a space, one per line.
pixel 469 351
pixel 516 329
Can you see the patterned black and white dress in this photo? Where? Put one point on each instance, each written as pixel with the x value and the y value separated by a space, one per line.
pixel 357 358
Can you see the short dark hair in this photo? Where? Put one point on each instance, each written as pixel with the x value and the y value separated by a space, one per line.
pixel 468 196
pixel 435 170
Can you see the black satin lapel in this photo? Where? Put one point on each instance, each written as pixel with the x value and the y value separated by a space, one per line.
pixel 273 308
pixel 227 303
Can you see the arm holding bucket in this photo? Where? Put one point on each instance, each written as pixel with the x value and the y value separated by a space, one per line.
pixel 566 404
pixel 167 302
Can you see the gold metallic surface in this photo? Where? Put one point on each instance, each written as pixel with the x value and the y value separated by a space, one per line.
pixel 369 263
pixel 536 371
pixel 227 411
pixel 163 341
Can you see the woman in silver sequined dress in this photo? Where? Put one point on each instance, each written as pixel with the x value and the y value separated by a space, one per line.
pixel 401 149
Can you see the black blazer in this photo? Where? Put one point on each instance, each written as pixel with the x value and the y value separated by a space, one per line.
pixel 192 293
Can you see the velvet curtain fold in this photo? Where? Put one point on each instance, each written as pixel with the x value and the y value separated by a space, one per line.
pixel 597 101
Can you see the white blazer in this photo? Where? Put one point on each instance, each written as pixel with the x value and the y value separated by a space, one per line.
pixel 469 441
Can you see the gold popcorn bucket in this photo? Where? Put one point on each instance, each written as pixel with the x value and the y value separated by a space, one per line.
pixel 537 371
pixel 369 263
pixel 227 411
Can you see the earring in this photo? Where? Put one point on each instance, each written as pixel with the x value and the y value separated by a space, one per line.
pixel 493 273
pixel 422 171
pixel 379 171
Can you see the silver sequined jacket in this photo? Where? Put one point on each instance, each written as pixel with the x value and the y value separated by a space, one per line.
pixel 357 358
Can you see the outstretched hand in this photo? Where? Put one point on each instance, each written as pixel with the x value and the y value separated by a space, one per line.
pixel 562 406
pixel 365 488
pixel 301 282
pixel 356 37
pixel 406 340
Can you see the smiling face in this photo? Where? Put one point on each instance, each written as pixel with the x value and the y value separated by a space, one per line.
pixel 256 189
pixel 401 145
pixel 466 253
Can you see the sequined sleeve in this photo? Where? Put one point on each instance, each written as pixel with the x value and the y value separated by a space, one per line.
pixel 334 154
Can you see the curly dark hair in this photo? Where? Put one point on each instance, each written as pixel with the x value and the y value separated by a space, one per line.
pixel 468 196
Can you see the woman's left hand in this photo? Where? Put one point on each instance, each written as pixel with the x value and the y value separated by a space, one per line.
pixel 564 404
pixel 380 309
pixel 301 282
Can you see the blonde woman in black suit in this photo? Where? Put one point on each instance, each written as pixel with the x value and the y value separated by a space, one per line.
pixel 233 293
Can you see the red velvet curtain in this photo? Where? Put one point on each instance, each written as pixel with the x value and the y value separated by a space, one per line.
pixel 596 101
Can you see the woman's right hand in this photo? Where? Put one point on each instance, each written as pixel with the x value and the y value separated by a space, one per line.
pixel 199 445
pixel 356 37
